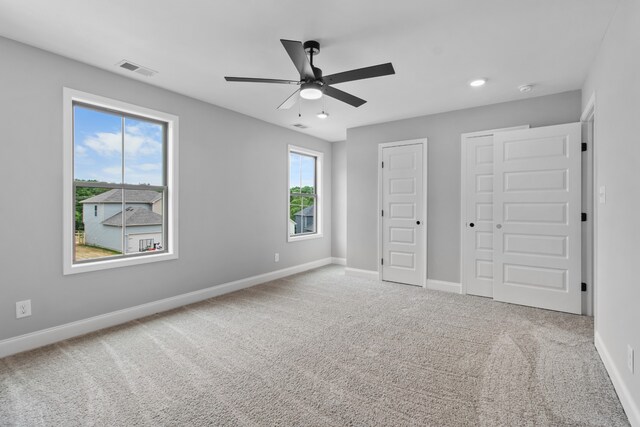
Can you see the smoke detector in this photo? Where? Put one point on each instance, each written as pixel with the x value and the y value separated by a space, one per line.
pixel 525 88
pixel 128 65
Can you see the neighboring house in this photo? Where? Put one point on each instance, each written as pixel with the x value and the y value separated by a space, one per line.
pixel 304 220
pixel 103 220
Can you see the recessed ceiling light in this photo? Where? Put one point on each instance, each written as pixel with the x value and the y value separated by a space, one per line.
pixel 323 115
pixel 525 88
pixel 477 82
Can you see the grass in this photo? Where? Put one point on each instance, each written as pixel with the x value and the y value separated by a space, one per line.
pixel 90 252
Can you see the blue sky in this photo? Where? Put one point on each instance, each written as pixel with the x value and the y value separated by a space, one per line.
pixel 302 170
pixel 98 148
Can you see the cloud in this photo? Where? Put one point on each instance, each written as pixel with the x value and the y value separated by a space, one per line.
pixel 105 143
pixel 141 139
pixel 81 150
pixel 147 167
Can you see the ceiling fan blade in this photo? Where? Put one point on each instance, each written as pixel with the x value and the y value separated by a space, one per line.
pixel 360 73
pixel 299 57
pixel 290 101
pixel 252 80
pixel 343 96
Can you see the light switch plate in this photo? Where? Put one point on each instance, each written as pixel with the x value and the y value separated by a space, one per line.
pixel 602 194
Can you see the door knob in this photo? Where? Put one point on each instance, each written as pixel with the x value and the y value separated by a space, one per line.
pixel 499 226
pixel 418 222
pixel 471 225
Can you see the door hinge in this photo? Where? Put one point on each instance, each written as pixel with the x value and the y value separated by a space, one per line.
pixel 583 216
pixel 381 261
pixel 383 165
pixel 382 212
pixel 584 146
pixel 584 287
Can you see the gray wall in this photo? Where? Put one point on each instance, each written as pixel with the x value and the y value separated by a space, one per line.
pixel 233 206
pixel 443 134
pixel 614 77
pixel 339 192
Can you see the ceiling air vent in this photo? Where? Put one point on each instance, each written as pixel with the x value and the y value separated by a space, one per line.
pixel 128 65
pixel 300 125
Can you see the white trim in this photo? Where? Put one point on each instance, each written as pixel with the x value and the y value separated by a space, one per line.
pixel 463 190
pixel 69 330
pixel 319 200
pixel 425 196
pixel 589 109
pixel 68 226
pixel 626 398
pixel 441 285
pixel 339 261
pixel 356 272
pixel 589 114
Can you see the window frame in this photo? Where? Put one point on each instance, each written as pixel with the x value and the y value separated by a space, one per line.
pixel 72 97
pixel 319 156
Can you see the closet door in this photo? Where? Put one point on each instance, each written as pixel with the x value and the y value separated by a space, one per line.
pixel 537 217
pixel 477 211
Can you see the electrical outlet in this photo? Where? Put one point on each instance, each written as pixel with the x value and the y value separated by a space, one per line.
pixel 23 309
pixel 276 258
pixel 630 358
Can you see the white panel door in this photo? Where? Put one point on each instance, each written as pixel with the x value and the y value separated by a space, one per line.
pixel 403 243
pixel 477 214
pixel 478 267
pixel 537 217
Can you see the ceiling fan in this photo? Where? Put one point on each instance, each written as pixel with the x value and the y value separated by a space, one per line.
pixel 312 84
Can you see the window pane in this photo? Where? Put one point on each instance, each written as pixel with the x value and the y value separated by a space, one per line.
pixel 97 145
pixel 308 174
pixel 143 220
pixel 92 239
pixel 308 215
pixel 294 172
pixel 302 215
pixel 143 152
pixel 295 206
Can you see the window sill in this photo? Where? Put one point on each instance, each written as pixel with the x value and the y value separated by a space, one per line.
pixel 86 267
pixel 304 237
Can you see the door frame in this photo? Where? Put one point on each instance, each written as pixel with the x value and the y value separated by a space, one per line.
pixel 463 190
pixel 589 116
pixel 425 173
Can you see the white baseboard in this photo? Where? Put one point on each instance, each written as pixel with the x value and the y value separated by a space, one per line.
pixel 69 330
pixel 441 285
pixel 367 274
pixel 339 261
pixel 630 407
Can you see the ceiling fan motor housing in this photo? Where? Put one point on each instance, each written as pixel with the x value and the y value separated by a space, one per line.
pixel 312 47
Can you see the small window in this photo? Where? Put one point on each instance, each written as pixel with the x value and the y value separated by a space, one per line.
pixel 304 193
pixel 121 162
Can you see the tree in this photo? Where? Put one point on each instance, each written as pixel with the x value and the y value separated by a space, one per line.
pixel 299 202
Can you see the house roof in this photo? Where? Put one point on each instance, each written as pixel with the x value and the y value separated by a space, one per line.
pixel 133 217
pixel 308 211
pixel 133 196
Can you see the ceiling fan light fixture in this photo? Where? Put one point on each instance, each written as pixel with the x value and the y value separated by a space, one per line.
pixel 323 115
pixel 311 91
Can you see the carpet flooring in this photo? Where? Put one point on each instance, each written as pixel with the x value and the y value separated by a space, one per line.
pixel 321 349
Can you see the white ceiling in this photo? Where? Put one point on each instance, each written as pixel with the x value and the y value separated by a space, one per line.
pixel 436 47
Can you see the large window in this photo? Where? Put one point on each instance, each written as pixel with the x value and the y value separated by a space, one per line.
pixel 304 193
pixel 120 181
